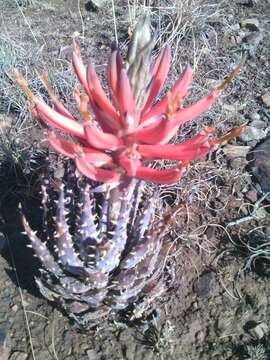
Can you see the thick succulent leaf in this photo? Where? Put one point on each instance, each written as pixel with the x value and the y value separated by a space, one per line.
pixel 143 220
pixel 88 276
pixel 140 243
pixel 94 298
pixel 122 299
pixel 120 232
pixel 108 257
pixel 87 227
pixel 73 286
pixel 137 200
pixel 124 279
pixel 104 214
pixel 78 307
pixel 110 252
pixel 64 244
pixel 41 250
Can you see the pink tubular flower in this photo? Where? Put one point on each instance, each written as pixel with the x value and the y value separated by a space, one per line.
pixel 125 136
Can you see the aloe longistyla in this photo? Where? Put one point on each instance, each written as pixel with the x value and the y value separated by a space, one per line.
pixel 109 251
pixel 117 137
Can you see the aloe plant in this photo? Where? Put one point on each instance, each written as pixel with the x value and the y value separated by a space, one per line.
pixel 112 259
pixel 113 256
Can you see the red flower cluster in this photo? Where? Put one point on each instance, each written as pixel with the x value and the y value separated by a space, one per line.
pixel 124 137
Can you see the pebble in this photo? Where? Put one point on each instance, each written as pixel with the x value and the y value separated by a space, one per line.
pixel 235 151
pixel 238 163
pixel 91 353
pixel 266 99
pixel 261 214
pixel 4 353
pixel 252 133
pixel 254 38
pixel 252 196
pixel 14 308
pixel 204 284
pixel 18 355
pixel 255 116
pixel 235 27
pixel 251 24
pixel 259 330
pixel 96 4
pixel 260 165
pixel 258 124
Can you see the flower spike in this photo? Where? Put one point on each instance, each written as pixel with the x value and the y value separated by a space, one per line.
pixel 127 131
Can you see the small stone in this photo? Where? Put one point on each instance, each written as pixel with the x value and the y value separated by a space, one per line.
pixel 66 52
pixel 204 284
pixel 251 24
pixel 258 124
pixel 235 151
pixel 59 172
pixel 254 38
pixel 91 353
pixel 238 40
pixel 260 330
pixel 200 336
pixel 249 3
pixel 14 308
pixel 252 196
pixel 96 4
pixel 260 165
pixel 238 163
pixel 255 116
pixel 251 133
pixel 235 27
pixel 261 214
pixel 18 355
pixel 4 353
pixel 266 99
